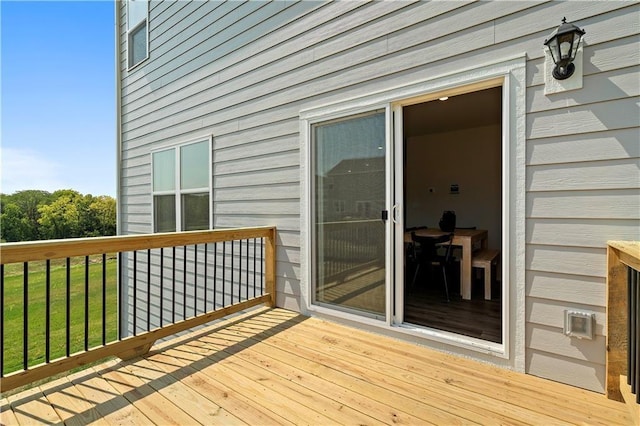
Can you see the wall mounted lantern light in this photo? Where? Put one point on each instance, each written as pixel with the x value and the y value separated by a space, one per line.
pixel 563 46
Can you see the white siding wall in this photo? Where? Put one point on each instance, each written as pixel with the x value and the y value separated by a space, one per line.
pixel 583 188
pixel 242 71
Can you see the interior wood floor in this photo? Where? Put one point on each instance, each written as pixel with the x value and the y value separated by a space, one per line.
pixel 272 366
pixel 426 305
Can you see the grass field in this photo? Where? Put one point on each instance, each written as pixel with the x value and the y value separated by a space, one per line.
pixel 13 309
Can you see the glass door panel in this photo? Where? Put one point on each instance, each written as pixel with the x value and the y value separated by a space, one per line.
pixel 349 197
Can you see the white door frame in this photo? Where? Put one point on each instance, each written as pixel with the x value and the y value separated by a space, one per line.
pixel 398 320
pixel 511 73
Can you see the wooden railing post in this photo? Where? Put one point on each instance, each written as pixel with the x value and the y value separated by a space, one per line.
pixel 616 359
pixel 270 267
pixel 621 255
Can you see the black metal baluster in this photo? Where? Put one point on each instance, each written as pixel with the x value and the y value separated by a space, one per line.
pixel 240 287
pixel 86 303
pixel 121 298
pixel 135 293
pixel 247 274
pixel 68 307
pixel 206 272
pixel 255 242
pixel 224 264
pixel 2 321
pixel 148 289
pixel 240 272
pixel 47 331
pixel 161 286
pixel 25 316
pixel 232 258
pixel 215 274
pixel 195 280
pixel 629 326
pixel 631 330
pixel 104 299
pixel 184 286
pixel 173 288
pixel 261 266
pixel 635 284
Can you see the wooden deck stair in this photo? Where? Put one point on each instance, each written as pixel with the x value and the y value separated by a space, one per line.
pixel 278 367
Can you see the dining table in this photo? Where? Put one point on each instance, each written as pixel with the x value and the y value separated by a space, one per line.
pixel 467 239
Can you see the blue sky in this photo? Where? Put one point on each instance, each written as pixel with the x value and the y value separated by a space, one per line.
pixel 58 96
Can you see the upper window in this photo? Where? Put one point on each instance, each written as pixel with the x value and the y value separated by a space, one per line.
pixel 182 187
pixel 137 31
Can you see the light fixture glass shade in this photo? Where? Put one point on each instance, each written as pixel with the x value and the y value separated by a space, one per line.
pixel 553 49
pixel 576 43
pixel 563 46
pixel 565 49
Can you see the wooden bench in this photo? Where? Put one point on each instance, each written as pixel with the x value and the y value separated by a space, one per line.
pixel 485 259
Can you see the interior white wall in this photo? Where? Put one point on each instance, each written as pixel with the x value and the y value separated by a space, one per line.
pixel 470 158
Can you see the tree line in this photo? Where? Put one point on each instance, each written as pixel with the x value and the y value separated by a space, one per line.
pixel 40 215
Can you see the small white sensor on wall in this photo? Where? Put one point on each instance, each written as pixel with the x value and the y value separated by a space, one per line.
pixel 579 324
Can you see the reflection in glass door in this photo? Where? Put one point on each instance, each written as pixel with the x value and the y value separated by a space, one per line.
pixel 349 198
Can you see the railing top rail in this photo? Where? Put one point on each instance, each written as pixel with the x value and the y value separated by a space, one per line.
pixel 628 252
pixel 58 249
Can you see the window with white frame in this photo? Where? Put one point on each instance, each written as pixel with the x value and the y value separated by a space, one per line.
pixel 182 187
pixel 137 31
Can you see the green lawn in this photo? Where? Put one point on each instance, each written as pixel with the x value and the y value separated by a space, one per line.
pixel 13 309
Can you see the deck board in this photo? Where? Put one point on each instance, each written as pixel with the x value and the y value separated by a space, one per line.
pixel 279 367
pixel 204 410
pixel 152 404
pixel 70 404
pixel 7 416
pixel 343 370
pixel 448 371
pixel 351 407
pixel 114 408
pixel 32 406
pixel 229 399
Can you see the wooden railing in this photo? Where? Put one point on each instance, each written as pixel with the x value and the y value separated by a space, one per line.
pixel 623 323
pixel 67 303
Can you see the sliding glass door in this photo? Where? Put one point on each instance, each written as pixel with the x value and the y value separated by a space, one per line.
pixel 349 202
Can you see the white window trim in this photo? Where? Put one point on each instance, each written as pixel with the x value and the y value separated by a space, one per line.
pixel 177 192
pixel 144 21
pixel 511 353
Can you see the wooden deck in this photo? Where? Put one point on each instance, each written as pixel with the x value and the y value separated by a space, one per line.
pixel 278 367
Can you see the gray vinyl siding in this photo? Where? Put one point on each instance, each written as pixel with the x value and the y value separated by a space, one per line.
pixel 243 71
pixel 583 188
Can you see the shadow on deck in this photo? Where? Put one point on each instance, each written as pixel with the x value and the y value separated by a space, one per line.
pixel 272 366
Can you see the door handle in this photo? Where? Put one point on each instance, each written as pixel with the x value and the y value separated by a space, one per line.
pixel 394 211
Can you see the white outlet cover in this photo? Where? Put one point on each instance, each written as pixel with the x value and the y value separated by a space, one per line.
pixel 579 324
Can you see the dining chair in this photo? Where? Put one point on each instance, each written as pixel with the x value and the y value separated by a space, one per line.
pixel 426 255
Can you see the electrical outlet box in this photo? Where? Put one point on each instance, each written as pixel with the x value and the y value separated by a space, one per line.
pixel 579 324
